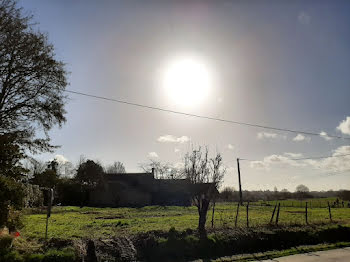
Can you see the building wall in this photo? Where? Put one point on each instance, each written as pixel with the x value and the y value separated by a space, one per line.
pixel 140 190
pixel 172 192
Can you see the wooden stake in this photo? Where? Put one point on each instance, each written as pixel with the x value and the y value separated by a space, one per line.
pixel 248 214
pixel 236 215
pixel 239 182
pixel 278 213
pixel 273 214
pixel 212 216
pixel 306 213
pixel 49 207
pixel 330 212
pixel 47 224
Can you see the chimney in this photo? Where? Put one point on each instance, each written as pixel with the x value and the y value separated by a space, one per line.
pixel 153 172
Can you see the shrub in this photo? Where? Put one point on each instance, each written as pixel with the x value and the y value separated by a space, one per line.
pixel 11 195
pixel 14 220
pixel 64 255
pixel 71 193
pixel 5 242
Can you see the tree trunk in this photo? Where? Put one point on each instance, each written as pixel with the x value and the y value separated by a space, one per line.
pixel 202 211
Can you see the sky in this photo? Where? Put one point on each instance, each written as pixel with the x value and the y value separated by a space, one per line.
pixel 277 63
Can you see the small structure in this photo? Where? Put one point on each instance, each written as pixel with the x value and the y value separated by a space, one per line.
pixel 140 189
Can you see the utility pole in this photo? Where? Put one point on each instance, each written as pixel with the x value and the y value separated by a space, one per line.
pixel 239 181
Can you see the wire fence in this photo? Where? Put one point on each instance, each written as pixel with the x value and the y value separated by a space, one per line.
pixel 279 213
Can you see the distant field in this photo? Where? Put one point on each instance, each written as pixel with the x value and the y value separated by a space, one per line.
pixel 312 202
pixel 75 222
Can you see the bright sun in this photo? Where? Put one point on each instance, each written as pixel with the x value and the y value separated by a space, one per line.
pixel 187 81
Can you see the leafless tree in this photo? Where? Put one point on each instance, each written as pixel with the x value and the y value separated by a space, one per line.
pixel 34 166
pixel 205 175
pixel 163 170
pixel 117 167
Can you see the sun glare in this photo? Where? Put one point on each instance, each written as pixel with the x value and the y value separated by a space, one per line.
pixel 187 81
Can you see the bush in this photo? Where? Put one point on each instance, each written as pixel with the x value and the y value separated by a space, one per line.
pixel 70 193
pixel 178 246
pixel 11 195
pixel 52 255
pixel 5 242
pixel 14 220
pixel 10 256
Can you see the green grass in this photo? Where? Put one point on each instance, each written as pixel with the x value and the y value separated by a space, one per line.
pixel 312 202
pixel 75 222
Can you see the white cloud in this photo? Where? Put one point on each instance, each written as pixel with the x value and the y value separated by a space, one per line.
pixel 294 155
pixel 342 150
pixel 301 137
pixel 325 136
pixel 173 139
pixel 282 160
pixel 152 154
pixel 258 165
pixel 262 135
pixel 230 147
pixel 304 18
pixel 176 150
pixel 61 159
pixel 344 126
pixel 340 163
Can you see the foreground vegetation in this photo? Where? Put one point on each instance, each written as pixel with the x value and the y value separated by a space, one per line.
pixel 75 222
pixel 160 233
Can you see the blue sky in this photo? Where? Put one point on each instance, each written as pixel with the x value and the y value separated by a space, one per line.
pixel 277 63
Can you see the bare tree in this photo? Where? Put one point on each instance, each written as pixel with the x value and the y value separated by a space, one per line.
pixel 163 170
pixel 116 168
pixel 34 166
pixel 205 174
pixel 32 81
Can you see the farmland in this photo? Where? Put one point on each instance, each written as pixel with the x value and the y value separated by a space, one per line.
pixel 168 233
pixel 75 222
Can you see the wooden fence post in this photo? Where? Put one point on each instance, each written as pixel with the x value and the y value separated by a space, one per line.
pixel 278 213
pixel 236 215
pixel 330 212
pixel 273 214
pixel 212 215
pixel 49 207
pixel 306 213
pixel 248 214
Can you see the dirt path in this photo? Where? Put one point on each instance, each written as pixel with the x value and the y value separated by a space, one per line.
pixel 335 255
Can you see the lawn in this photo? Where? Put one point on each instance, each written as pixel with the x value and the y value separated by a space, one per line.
pixel 75 222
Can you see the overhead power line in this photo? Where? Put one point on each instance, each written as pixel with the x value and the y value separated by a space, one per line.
pixel 204 117
pixel 304 158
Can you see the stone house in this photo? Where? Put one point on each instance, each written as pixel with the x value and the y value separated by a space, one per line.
pixel 140 189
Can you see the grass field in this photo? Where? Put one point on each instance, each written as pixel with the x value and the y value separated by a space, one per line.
pixel 312 202
pixel 75 222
